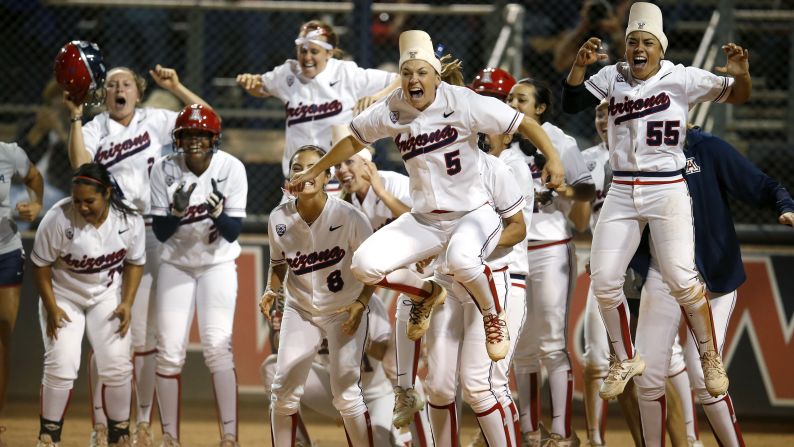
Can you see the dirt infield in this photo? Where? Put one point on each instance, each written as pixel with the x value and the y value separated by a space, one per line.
pixel 199 427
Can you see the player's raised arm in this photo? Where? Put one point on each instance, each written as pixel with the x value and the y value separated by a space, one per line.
pixel 341 151
pixel 553 172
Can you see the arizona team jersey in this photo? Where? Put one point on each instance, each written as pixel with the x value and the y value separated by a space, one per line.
pixel 318 255
pixel 550 220
pixel 647 119
pixel 197 243
pixel 315 105
pixel 507 199
pixel 439 144
pixel 129 152
pixel 87 262
pixel 376 211
pixel 596 159
pixel 513 157
pixel 13 160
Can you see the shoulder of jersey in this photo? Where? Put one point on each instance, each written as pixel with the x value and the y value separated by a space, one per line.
pixel 338 202
pixel 9 147
pixel 393 176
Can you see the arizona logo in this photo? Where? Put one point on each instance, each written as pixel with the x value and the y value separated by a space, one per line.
pixel 316 260
pixel 119 151
pixel 637 108
pixel 310 112
pixel 87 265
pixel 423 143
pixel 691 166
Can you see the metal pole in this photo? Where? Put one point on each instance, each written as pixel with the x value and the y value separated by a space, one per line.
pixel 194 70
pixel 724 35
pixel 362 24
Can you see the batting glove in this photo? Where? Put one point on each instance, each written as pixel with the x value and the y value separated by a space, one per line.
pixel 181 200
pixel 214 203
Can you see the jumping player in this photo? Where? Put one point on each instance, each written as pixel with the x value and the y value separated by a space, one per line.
pixel 435 127
pixel 318 88
pixel 314 237
pixel 714 171
pixel 198 203
pixel 88 258
pixel 649 99
pixel 127 139
pixel 552 273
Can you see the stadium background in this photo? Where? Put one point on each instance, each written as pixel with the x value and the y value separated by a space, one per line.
pixel 210 41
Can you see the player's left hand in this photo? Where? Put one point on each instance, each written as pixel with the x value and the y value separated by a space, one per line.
pixel 553 173
pixel 355 311
pixel 165 77
pixel 370 174
pixel 787 219
pixel 123 313
pixel 215 200
pixel 738 60
pixel 296 183
pixel 28 211
pixel 363 104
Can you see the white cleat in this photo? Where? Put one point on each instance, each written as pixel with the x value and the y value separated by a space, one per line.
pixel 620 372
pixel 406 404
pixel 143 435
pixel 99 436
pixel 46 441
pixel 419 317
pixel 168 441
pixel 556 440
pixel 124 441
pixel 694 442
pixel 229 441
pixel 497 340
pixel 714 373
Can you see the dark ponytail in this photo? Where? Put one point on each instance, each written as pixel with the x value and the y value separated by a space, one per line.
pixel 96 175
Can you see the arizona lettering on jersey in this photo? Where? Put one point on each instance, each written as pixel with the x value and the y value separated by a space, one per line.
pixel 440 180
pixel 315 105
pixel 117 152
pixel 647 119
pixel 320 281
pixel 87 261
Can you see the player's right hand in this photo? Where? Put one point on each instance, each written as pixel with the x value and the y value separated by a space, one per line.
pixel 56 320
pixel 553 173
pixel 124 314
pixel 297 182
pixel 589 53
pixel 181 199
pixel 252 84
pixel 74 109
pixel 266 302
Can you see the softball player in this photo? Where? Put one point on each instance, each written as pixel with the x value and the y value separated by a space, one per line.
pixel 376 388
pixel 88 257
pixel 318 89
pixel 13 161
pixel 457 339
pixel 314 237
pixel 127 139
pixel 714 170
pixel 435 128
pixel 198 203
pixel 552 273
pixel 648 101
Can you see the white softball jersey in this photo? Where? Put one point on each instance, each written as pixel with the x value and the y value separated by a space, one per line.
pixel 596 159
pixel 507 199
pixel 376 211
pixel 129 152
pixel 550 221
pixel 13 160
pixel 318 255
pixel 315 105
pixel 647 119
pixel 197 243
pixel 513 157
pixel 87 262
pixel 439 144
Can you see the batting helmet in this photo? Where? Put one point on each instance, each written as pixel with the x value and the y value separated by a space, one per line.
pixel 198 117
pixel 493 82
pixel 79 69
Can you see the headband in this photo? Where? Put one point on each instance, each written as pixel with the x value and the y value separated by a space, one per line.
pixel 313 36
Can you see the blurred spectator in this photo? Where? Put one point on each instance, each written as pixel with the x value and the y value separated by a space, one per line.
pixel 44 138
pixel 597 18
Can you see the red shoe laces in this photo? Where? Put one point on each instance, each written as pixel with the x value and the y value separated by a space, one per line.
pixel 493 328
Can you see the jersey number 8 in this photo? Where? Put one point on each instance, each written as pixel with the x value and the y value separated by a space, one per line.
pixel 335 282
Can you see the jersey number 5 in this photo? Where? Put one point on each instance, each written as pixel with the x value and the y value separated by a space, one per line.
pixel 659 131
pixel 453 162
pixel 335 282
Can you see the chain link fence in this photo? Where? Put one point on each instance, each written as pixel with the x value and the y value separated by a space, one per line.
pixel 209 42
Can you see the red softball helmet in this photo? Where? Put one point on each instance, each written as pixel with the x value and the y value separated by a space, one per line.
pixel 493 82
pixel 80 70
pixel 198 117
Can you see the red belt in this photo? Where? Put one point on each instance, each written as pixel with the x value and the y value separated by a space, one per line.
pixel 647 182
pixel 535 247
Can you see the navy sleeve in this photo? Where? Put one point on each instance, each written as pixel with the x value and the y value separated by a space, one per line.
pixel 743 180
pixel 576 98
pixel 229 227
pixel 164 227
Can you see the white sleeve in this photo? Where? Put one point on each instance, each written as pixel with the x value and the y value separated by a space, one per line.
pixel 362 229
pixel 379 325
pixel 491 116
pixel 370 125
pixel 48 240
pixel 506 194
pixel 166 119
pixel 136 252
pixel 276 252
pixel 160 199
pixel 91 135
pixel 368 81
pixel 573 162
pixel 20 160
pixel 238 194
pixel 704 86
pixel 275 81
pixel 399 186
pixel 598 84
pixel 523 177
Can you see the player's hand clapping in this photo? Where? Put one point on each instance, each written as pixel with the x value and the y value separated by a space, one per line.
pixel 214 203
pixel 165 77
pixel 124 313
pixel 56 319
pixel 181 199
